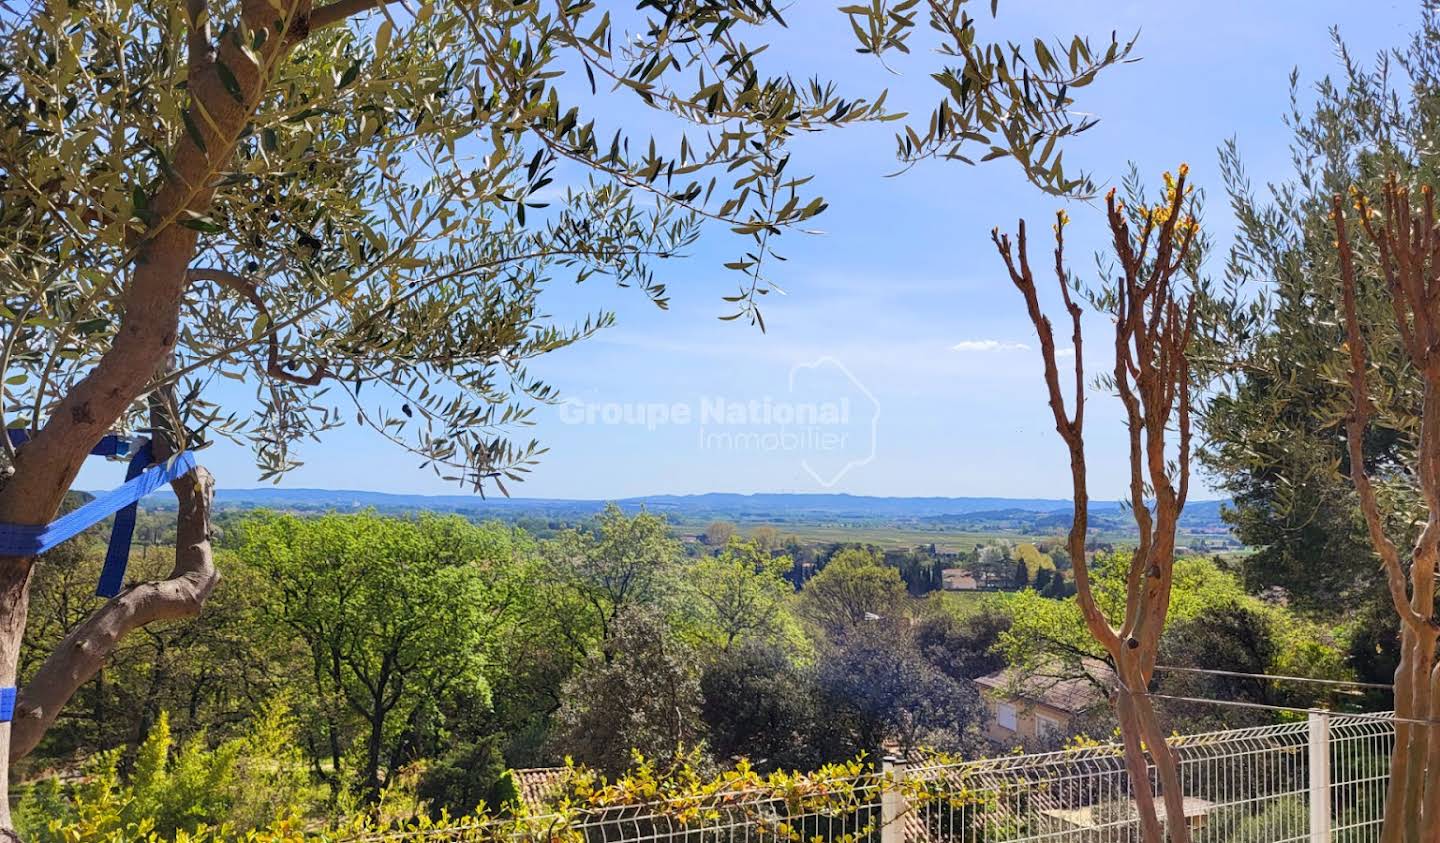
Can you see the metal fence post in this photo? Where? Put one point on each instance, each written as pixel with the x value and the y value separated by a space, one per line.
pixel 1319 776
pixel 892 800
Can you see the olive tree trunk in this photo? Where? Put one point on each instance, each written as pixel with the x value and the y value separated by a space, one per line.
pixel 150 300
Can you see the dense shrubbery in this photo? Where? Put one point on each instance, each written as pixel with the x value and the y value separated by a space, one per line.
pixel 1214 624
pixel 421 659
pixel 191 795
pixel 252 781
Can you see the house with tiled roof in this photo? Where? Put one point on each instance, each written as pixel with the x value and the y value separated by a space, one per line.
pixel 539 786
pixel 1033 704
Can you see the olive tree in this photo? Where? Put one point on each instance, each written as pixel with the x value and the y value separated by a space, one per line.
pixel 352 206
pixel 1324 428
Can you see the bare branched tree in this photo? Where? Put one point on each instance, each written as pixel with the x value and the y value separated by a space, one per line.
pixel 1406 247
pixel 1154 325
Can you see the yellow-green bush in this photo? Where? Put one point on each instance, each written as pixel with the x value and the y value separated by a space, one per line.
pixel 254 790
pixel 782 806
pixel 256 780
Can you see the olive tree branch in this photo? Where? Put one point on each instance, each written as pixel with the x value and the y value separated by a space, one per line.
pixel 248 289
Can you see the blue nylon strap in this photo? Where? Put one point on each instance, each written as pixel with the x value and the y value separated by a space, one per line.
pixel 7 705
pixel 117 555
pixel 109 445
pixel 141 479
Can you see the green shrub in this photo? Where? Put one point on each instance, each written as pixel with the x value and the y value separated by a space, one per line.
pixel 272 780
pixel 254 781
pixel 782 807
pixel 468 777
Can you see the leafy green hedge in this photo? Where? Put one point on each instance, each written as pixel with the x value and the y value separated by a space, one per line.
pixel 237 793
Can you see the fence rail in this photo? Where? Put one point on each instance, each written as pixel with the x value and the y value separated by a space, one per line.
pixel 1320 781
pixel 1304 782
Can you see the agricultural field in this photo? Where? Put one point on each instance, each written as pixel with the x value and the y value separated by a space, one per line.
pixel 893 538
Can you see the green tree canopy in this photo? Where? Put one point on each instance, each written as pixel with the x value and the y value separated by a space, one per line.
pixel 1048 635
pixel 1033 562
pixel 396 614
pixel 642 696
pixel 737 596
pixel 625 561
pixel 760 704
pixel 854 589
pixel 878 690
pixel 1274 423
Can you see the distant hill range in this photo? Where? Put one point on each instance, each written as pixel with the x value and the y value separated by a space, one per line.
pixel 1037 515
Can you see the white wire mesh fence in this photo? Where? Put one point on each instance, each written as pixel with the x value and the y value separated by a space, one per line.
pixel 1360 770
pixel 1318 781
pixel 841 810
pixel 1305 782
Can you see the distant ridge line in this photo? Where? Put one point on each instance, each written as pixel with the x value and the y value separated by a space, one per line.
pixel 716 503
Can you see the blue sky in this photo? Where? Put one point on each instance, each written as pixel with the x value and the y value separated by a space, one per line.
pixel 899 346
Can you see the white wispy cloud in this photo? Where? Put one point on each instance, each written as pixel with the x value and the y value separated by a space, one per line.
pixel 1065 352
pixel 989 345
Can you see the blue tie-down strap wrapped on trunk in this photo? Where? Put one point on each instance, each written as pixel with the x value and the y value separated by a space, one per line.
pixel 141 478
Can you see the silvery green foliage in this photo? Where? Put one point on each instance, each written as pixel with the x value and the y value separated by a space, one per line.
pixel 1274 428
pixel 410 183
pixel 1005 99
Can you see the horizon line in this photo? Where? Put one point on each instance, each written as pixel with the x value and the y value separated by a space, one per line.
pixel 503 498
